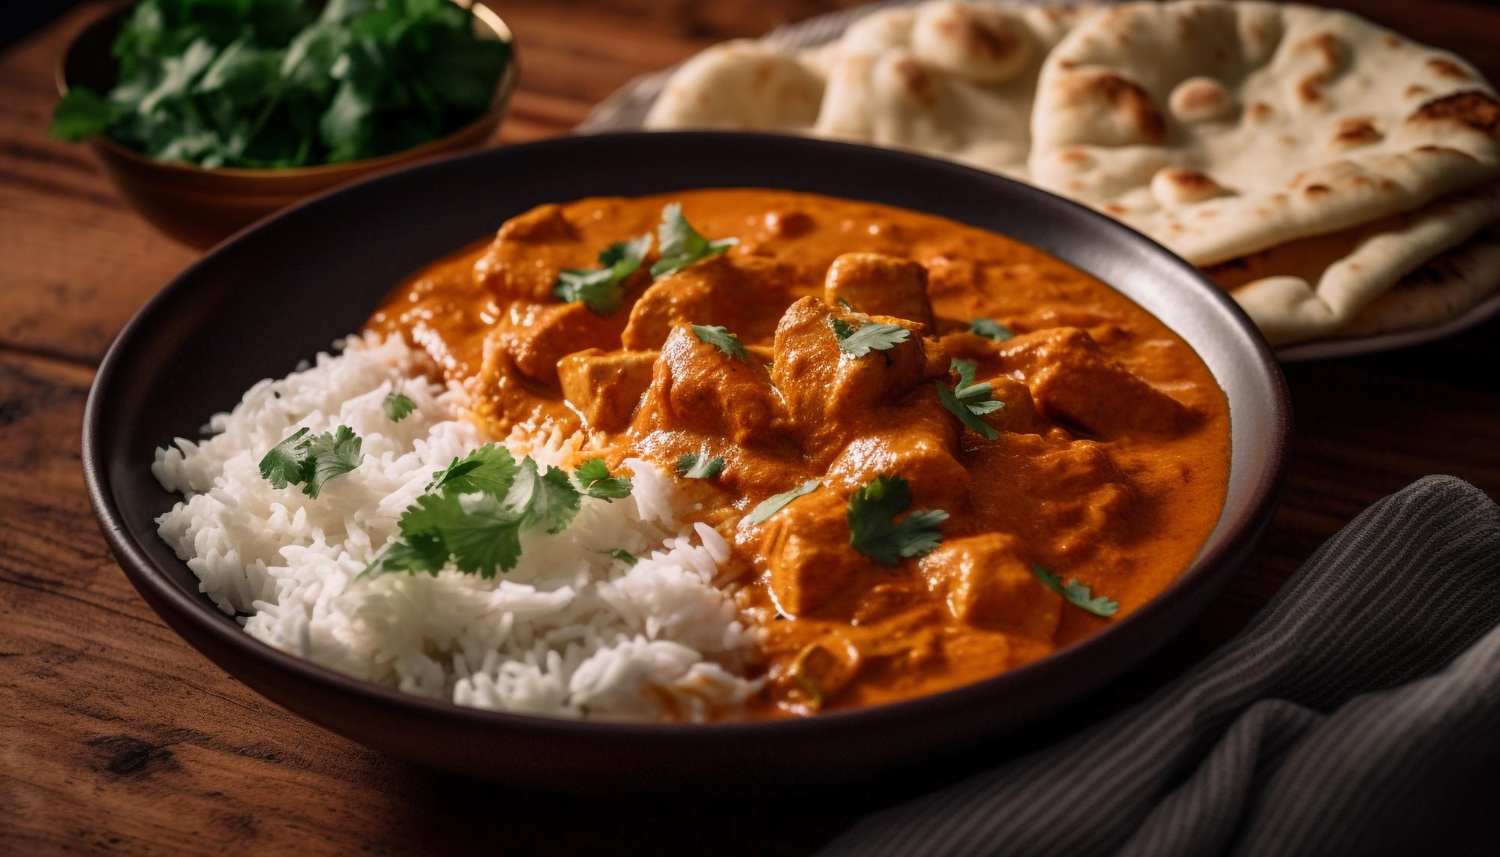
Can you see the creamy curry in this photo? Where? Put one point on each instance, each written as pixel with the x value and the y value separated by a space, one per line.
pixel 1105 473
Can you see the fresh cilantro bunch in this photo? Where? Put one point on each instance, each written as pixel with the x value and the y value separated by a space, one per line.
pixel 475 509
pixel 287 83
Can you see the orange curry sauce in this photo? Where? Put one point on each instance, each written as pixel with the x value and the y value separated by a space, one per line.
pixel 1110 466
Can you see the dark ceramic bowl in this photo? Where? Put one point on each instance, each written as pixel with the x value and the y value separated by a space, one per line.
pixel 224 324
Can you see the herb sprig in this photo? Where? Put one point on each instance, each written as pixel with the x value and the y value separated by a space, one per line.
pixel 873 530
pixel 1076 593
pixel 312 460
pixel 603 289
pixel 870 336
pixel 776 502
pixel 397 407
pixel 990 329
pixel 721 339
pixel 696 466
pixel 476 508
pixel 682 245
pixel 970 401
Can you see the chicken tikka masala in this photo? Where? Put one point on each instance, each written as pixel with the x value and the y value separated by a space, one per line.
pixel 938 453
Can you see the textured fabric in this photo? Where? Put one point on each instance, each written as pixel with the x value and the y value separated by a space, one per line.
pixel 1358 713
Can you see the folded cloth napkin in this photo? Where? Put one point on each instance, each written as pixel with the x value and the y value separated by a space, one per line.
pixel 1358 713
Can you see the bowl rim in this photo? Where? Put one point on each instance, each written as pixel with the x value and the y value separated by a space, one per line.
pixel 1205 570
pixel 505 88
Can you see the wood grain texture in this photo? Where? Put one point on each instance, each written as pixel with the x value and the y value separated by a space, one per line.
pixel 116 736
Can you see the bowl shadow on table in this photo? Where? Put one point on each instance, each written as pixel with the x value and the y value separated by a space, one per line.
pixel 460 815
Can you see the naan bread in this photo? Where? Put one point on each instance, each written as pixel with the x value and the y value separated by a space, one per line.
pixel 1222 129
pixel 1312 287
pixel 950 79
pixel 1442 289
pixel 743 86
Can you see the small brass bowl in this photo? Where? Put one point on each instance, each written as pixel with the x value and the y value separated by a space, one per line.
pixel 199 206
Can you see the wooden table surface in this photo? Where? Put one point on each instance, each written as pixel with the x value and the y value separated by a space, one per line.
pixel 115 735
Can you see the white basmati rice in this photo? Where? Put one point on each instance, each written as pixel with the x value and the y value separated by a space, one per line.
pixel 570 631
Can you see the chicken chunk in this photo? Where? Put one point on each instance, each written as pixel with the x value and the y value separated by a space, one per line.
pixel 697 387
pixel 988 585
pixel 880 285
pixel 732 291
pixel 1071 378
pixel 537 336
pixel 806 546
pixel 508 266
pixel 606 387
pixel 922 452
pixel 830 394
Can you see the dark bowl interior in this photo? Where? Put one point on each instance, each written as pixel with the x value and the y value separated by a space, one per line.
pixel 286 289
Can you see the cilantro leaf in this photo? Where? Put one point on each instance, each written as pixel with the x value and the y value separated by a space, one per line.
pixel 776 502
pixel 602 290
pixel 872 336
pixel 990 329
pixel 721 339
pixel 485 538
pixel 479 537
pixel 593 476
pixel 969 401
pixel 548 499
pixel 681 245
pixel 1076 593
pixel 310 461
pixel 419 552
pixel 695 466
pixel 490 469
pixel 397 407
pixel 331 455
pixel 282 466
pixel 81 114
pixel 873 530
pixel 624 556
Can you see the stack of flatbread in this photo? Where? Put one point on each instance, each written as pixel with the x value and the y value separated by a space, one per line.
pixel 1337 178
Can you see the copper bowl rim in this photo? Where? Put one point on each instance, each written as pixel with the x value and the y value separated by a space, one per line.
pixel 499 101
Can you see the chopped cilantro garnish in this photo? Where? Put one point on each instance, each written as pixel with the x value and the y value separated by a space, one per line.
pixel 594 480
pixel 603 289
pixel 1076 593
pixel 990 329
pixel 475 510
pixel 874 533
pixel 489 469
pixel 695 466
pixel 721 339
pixel 547 499
pixel 310 461
pixel 624 556
pixel 872 336
pixel 681 245
pixel 398 407
pixel 481 534
pixel 282 466
pixel 776 502
pixel 969 401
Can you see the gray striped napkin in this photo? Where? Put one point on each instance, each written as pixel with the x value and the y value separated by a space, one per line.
pixel 1358 713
